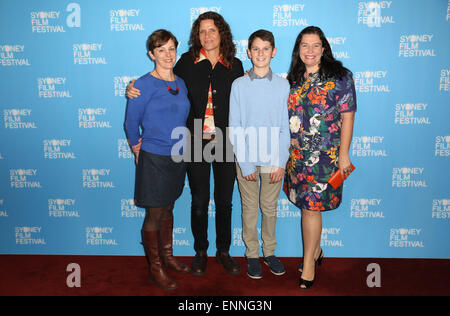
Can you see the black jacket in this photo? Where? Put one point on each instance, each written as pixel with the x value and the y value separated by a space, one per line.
pixel 198 77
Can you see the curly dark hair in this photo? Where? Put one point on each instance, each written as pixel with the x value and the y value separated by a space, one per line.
pixel 329 66
pixel 227 47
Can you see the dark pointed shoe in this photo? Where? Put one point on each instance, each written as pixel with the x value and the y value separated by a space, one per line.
pixel 198 267
pixel 228 263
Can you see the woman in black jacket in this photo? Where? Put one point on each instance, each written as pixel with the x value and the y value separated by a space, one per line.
pixel 208 69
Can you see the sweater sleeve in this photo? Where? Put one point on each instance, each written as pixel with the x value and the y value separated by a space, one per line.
pixel 285 136
pixel 237 133
pixel 135 113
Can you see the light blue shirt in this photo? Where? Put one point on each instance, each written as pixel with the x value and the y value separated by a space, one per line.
pixel 259 122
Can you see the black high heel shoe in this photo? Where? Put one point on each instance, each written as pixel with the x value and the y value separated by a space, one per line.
pixel 318 261
pixel 306 283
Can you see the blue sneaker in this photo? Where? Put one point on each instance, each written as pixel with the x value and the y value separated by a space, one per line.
pixel 254 268
pixel 275 265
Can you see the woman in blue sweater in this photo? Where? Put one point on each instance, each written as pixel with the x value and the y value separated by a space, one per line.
pixel 162 106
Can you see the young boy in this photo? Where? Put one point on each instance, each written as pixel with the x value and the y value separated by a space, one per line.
pixel 259 132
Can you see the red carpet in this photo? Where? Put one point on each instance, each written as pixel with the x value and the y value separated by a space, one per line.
pixel 127 275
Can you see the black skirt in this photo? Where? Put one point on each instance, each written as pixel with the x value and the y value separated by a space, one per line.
pixel 159 180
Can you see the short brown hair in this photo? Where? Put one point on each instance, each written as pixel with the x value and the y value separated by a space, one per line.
pixel 159 38
pixel 262 34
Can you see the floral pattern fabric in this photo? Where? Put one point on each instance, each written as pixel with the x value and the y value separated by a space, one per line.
pixel 315 107
pixel 209 127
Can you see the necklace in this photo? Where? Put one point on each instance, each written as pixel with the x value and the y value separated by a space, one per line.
pixel 173 92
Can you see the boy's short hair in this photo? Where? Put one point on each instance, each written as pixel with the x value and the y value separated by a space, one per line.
pixel 262 34
pixel 159 38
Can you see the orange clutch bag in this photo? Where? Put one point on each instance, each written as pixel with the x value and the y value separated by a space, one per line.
pixel 336 178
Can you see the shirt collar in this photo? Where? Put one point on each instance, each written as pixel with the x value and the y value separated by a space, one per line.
pixel 202 56
pixel 252 75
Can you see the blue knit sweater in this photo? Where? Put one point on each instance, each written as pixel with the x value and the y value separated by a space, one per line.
pixel 259 122
pixel 157 112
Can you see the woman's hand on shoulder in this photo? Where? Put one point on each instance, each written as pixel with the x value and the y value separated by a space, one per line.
pixel 132 92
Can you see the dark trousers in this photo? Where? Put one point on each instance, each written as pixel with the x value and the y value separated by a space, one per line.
pixel 199 175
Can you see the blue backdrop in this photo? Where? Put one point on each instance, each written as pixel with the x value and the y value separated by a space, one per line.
pixel 67 174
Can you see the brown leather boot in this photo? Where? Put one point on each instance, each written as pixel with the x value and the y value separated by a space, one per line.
pixel 166 239
pixel 157 273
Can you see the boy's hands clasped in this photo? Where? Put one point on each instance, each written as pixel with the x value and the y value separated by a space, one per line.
pixel 276 175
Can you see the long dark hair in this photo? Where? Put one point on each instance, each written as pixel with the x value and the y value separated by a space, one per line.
pixel 227 47
pixel 329 66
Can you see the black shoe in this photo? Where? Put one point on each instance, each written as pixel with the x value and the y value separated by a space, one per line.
pixel 318 260
pixel 199 264
pixel 254 268
pixel 306 283
pixel 275 265
pixel 309 283
pixel 228 263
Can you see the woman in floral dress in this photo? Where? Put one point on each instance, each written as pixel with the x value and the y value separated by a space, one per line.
pixel 322 106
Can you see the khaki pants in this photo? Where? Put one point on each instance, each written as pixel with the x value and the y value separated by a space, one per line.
pixel 252 198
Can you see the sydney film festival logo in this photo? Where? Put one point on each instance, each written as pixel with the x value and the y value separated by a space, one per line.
pixel 123 20
pixel 371 81
pixel 52 21
pixel 368 146
pixel 441 209
pixel 411 114
pixel 373 13
pixel 58 149
pixel 52 87
pixel 18 119
pixel 92 118
pixel 97 179
pixel 288 15
pixel 12 55
pixel 24 179
pixel 366 208
pixel 406 238
pixel 100 236
pixel 408 177
pixel 442 146
pixel 59 208
pixel 29 236
pixel 416 45
pixel 88 54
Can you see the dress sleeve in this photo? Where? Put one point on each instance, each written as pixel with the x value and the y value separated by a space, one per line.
pixel 346 96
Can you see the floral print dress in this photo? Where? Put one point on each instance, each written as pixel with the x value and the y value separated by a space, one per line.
pixel 315 107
